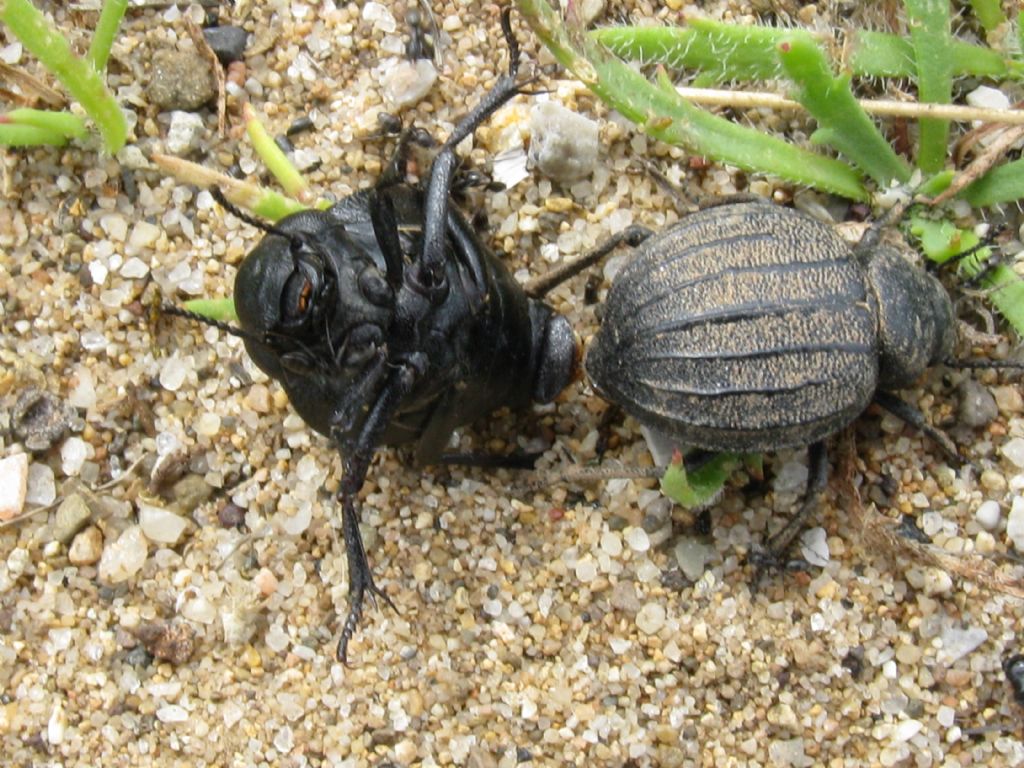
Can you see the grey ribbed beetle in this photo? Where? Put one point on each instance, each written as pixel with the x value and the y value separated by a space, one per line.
pixel 749 327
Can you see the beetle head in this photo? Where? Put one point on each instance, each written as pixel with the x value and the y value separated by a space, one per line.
pixel 916 327
pixel 315 300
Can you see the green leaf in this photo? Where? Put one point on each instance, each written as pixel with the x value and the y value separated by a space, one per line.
pixel 46 43
pixel 664 115
pixel 697 488
pixel 930 37
pixel 843 123
pixel 942 241
pixel 1003 184
pixel 221 310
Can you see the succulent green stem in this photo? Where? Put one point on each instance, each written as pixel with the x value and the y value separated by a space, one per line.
pixel 105 32
pixel 83 82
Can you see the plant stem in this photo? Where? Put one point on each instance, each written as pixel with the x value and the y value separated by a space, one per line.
pixel 58 122
pixel 47 44
pixel 105 32
pixel 276 161
pixel 662 114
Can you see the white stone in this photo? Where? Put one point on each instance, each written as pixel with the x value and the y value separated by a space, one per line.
pixel 563 145
pixel 650 618
pixel 957 643
pixel 87 547
pixel 173 373
pixel 172 713
pixel 124 557
pixel 144 235
pixel 637 539
pixel 82 393
pixel 691 557
pixel 1015 523
pixel 988 515
pixel 134 268
pixel 57 724
pixel 985 97
pixel 1013 450
pixel 586 569
pixel 814 546
pixel 115 226
pixel 73 453
pixel 161 525
pixel 405 82
pixel 611 543
pixel 42 488
pixel 184 132
pixel 13 485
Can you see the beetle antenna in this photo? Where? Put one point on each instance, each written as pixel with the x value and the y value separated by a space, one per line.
pixel 171 309
pixel 267 227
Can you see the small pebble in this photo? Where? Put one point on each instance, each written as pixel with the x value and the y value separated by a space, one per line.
pixel 692 556
pixel 405 82
pixel 13 485
pixel 173 373
pixel 1015 524
pixel 814 546
pixel 73 453
pixel 124 557
pixel 988 515
pixel 161 525
pixel 563 145
pixel 228 42
pixel 172 642
pixel 40 419
pixel 1009 398
pixel 637 539
pixel 71 516
pixel 977 406
pixel 1013 450
pixel 87 547
pixel 184 133
pixel 957 643
pixel 651 618
pixel 624 597
pixel 42 486
pixel 172 713
pixel 179 80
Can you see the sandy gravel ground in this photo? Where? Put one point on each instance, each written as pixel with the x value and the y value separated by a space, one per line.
pixel 188 613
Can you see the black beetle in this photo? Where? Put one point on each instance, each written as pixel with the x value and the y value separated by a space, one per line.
pixel 1013 666
pixel 387 321
pixel 750 327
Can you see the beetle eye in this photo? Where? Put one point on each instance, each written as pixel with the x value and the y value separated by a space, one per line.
pixel 298 295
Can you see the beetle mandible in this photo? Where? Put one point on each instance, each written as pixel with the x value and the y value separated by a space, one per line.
pixel 750 327
pixel 388 321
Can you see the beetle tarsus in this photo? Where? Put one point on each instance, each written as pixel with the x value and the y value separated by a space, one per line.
pixel 631 236
pixel 908 414
pixel 774 555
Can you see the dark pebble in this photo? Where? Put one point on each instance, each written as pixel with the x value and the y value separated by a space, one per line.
pixel 168 642
pixel 227 42
pixel 523 755
pixel 284 144
pixel 299 125
pixel 40 419
pixel 180 80
pixel 231 515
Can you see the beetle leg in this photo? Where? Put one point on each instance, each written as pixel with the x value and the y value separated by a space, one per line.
pixel 631 236
pixel 358 454
pixel 773 556
pixel 385 230
pixel 430 269
pixel 907 413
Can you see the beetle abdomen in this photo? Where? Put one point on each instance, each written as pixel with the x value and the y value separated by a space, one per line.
pixel 744 327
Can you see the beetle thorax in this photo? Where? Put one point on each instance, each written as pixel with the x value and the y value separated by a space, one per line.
pixel 915 318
